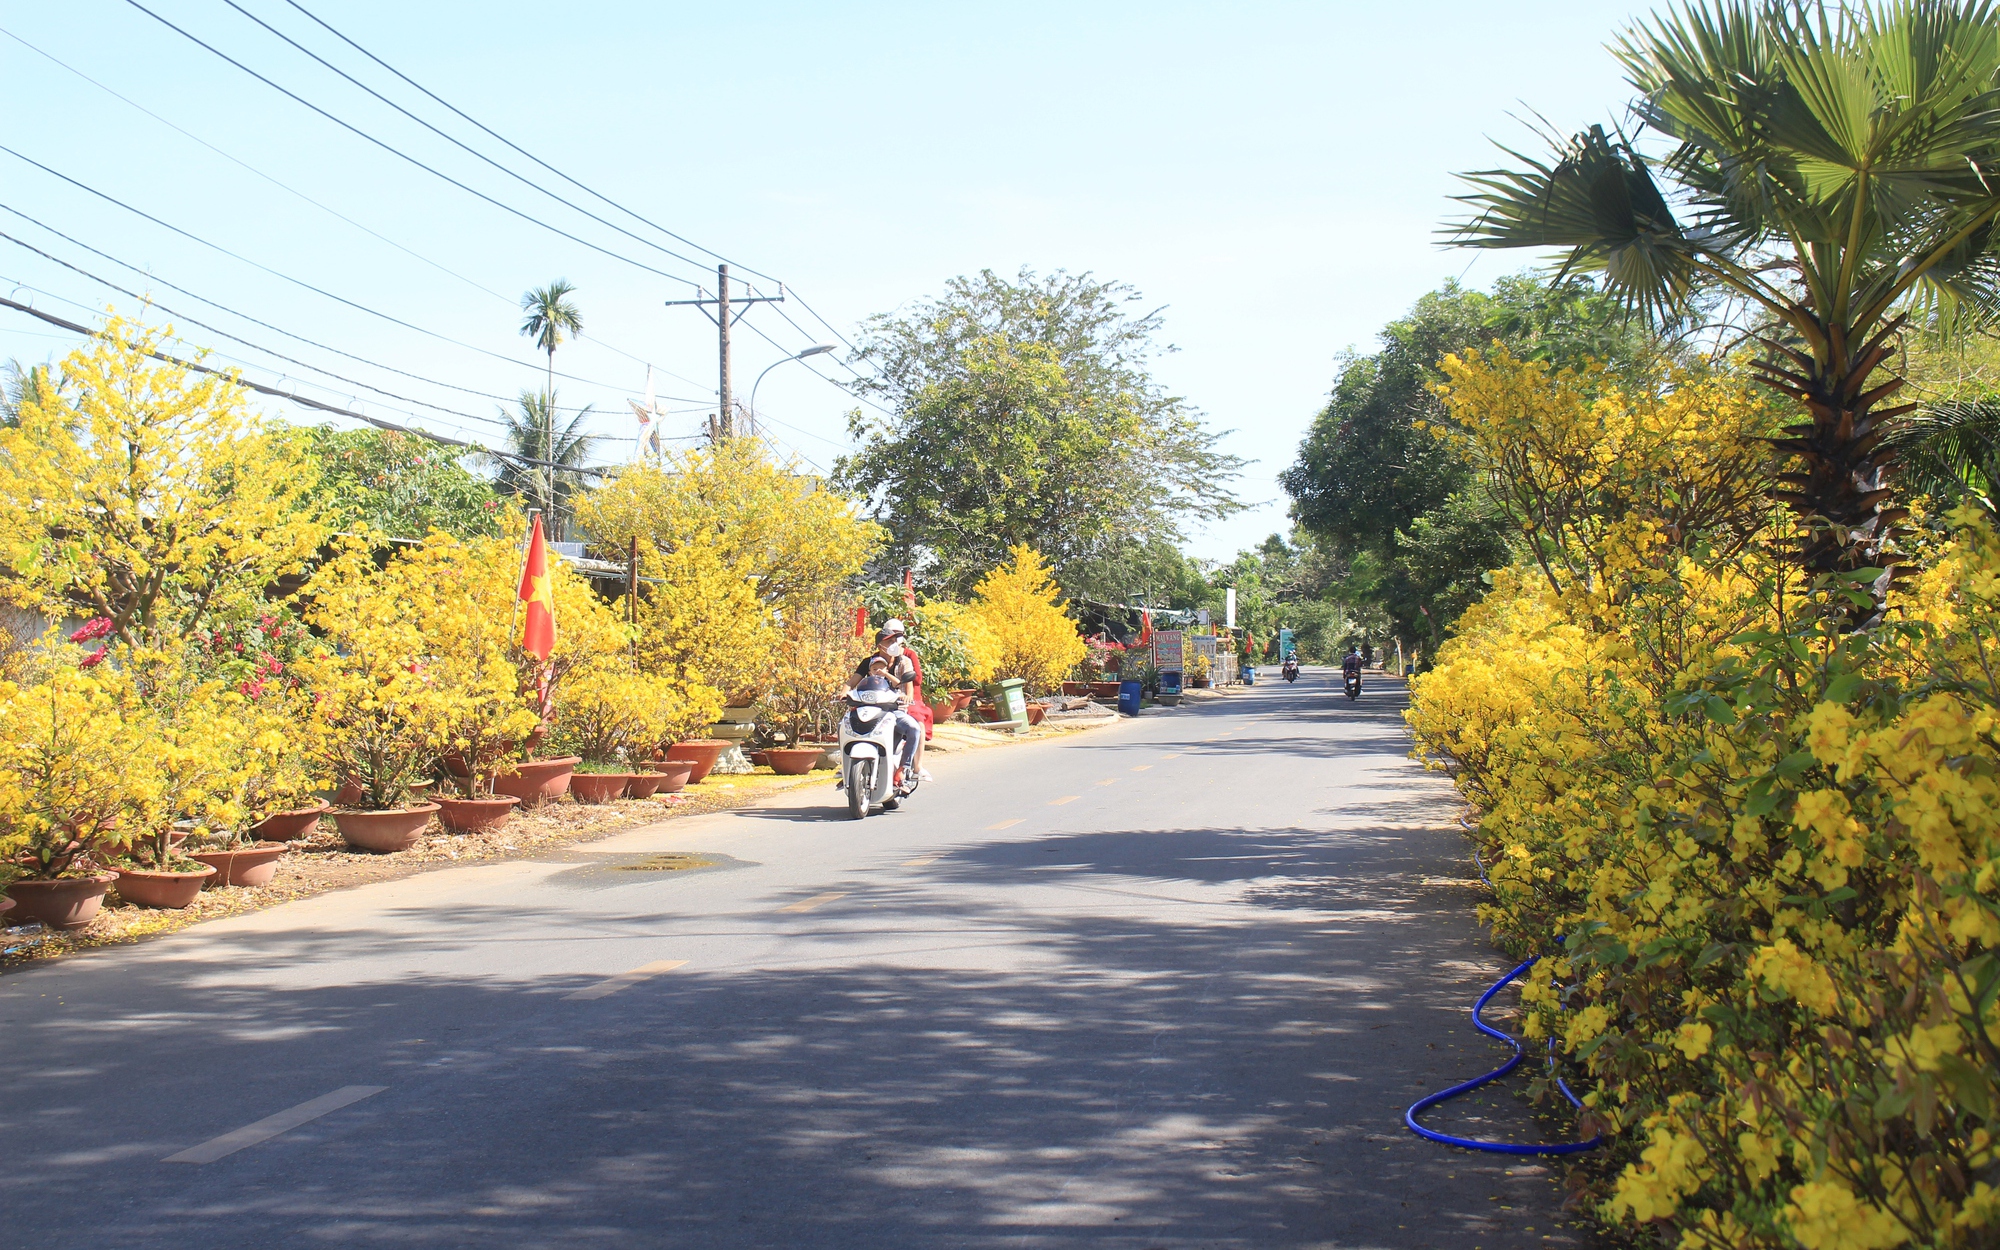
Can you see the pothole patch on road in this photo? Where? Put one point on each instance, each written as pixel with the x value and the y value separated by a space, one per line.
pixel 600 871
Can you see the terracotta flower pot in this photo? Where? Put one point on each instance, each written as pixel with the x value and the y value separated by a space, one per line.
pixel 475 815
pixel 700 752
pixel 1036 711
pixel 1104 690
pixel 537 781
pixel 961 698
pixel 385 831
pixel 290 826
pixel 645 784
pixel 66 904
pixel 251 866
pixel 173 890
pixel 598 787
pixel 349 794
pixel 1075 689
pixel 989 712
pixel 760 759
pixel 673 774
pixel 793 761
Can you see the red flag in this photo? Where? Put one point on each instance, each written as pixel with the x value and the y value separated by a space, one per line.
pixel 910 591
pixel 1145 627
pixel 861 621
pixel 538 624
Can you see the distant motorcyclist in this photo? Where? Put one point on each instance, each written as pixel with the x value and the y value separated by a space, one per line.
pixel 1290 672
pixel 1350 664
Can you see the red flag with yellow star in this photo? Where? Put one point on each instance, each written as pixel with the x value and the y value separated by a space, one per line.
pixel 538 593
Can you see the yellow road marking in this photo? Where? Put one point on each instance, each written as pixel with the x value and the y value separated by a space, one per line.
pixel 643 972
pixel 1108 781
pixel 1140 768
pixel 272 1125
pixel 1005 824
pixel 1176 755
pixel 919 863
pixel 1067 798
pixel 807 904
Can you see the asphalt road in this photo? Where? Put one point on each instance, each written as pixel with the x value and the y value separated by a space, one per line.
pixel 1166 984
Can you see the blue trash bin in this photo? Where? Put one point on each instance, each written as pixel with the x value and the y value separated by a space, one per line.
pixel 1249 674
pixel 1129 693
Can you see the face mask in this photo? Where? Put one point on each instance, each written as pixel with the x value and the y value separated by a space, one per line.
pixel 895 647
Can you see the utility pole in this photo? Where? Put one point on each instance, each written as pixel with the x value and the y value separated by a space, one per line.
pixel 724 316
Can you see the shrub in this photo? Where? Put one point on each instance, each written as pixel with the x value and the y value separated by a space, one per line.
pixel 1020 626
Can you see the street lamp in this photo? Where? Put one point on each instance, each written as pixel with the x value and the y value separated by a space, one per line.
pixel 817 349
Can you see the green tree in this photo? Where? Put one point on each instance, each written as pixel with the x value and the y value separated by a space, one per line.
pixel 543 448
pixel 1024 414
pixel 1830 168
pixel 1401 525
pixel 398 484
pixel 550 319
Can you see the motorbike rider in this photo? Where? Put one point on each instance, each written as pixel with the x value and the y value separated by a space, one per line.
pixel 1291 668
pixel 902 674
pixel 1350 664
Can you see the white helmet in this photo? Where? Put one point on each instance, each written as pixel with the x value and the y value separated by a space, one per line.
pixel 893 626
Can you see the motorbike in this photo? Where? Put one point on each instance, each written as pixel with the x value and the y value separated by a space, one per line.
pixel 868 769
pixel 1291 670
pixel 1353 682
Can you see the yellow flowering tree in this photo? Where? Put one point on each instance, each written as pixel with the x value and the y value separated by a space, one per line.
pixel 1019 625
pixel 75 768
pixel 729 540
pixel 147 495
pixel 1759 852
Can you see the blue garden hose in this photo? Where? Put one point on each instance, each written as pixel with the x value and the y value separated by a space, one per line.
pixel 1496 1147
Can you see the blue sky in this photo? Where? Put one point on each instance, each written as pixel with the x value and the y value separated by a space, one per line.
pixel 1271 174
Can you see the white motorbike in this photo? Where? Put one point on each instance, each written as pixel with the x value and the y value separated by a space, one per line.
pixel 868 753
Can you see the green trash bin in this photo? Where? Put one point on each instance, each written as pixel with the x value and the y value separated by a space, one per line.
pixel 1011 698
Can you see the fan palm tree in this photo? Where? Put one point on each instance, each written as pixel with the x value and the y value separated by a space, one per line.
pixel 1951 452
pixel 538 452
pixel 1839 170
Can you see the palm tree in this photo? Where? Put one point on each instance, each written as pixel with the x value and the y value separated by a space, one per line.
pixel 538 452
pixel 550 317
pixel 23 385
pixel 1838 171
pixel 1951 452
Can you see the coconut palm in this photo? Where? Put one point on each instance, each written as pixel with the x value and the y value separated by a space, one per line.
pixel 541 451
pixel 1838 169
pixel 21 386
pixel 551 318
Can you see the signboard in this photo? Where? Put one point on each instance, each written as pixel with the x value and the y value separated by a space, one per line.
pixel 1167 650
pixel 1204 644
pixel 1285 644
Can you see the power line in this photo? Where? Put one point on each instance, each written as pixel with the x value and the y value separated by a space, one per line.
pixel 523 151
pixel 524 181
pixel 357 131
pixel 593 192
pixel 323 207
pixel 298 282
pixel 303 401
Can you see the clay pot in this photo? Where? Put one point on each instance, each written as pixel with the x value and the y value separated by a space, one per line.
pixel 760 759
pixel 290 826
pixel 989 713
pixel 960 699
pixel 537 781
pixel 700 752
pixel 1036 711
pixel 349 794
pixel 793 761
pixel 385 831
pixel 475 815
pixel 251 866
pixel 1104 690
pixel 66 904
pixel 173 890
pixel 673 774
pixel 1075 689
pixel 645 785
pixel 598 787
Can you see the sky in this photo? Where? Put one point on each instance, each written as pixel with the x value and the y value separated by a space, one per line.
pixel 1272 176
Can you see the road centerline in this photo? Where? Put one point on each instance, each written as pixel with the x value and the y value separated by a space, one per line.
pixel 272 1125
pixel 1067 798
pixel 817 900
pixel 609 986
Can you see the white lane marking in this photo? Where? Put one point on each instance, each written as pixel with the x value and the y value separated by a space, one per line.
pixel 807 904
pixel 272 1125
pixel 643 972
